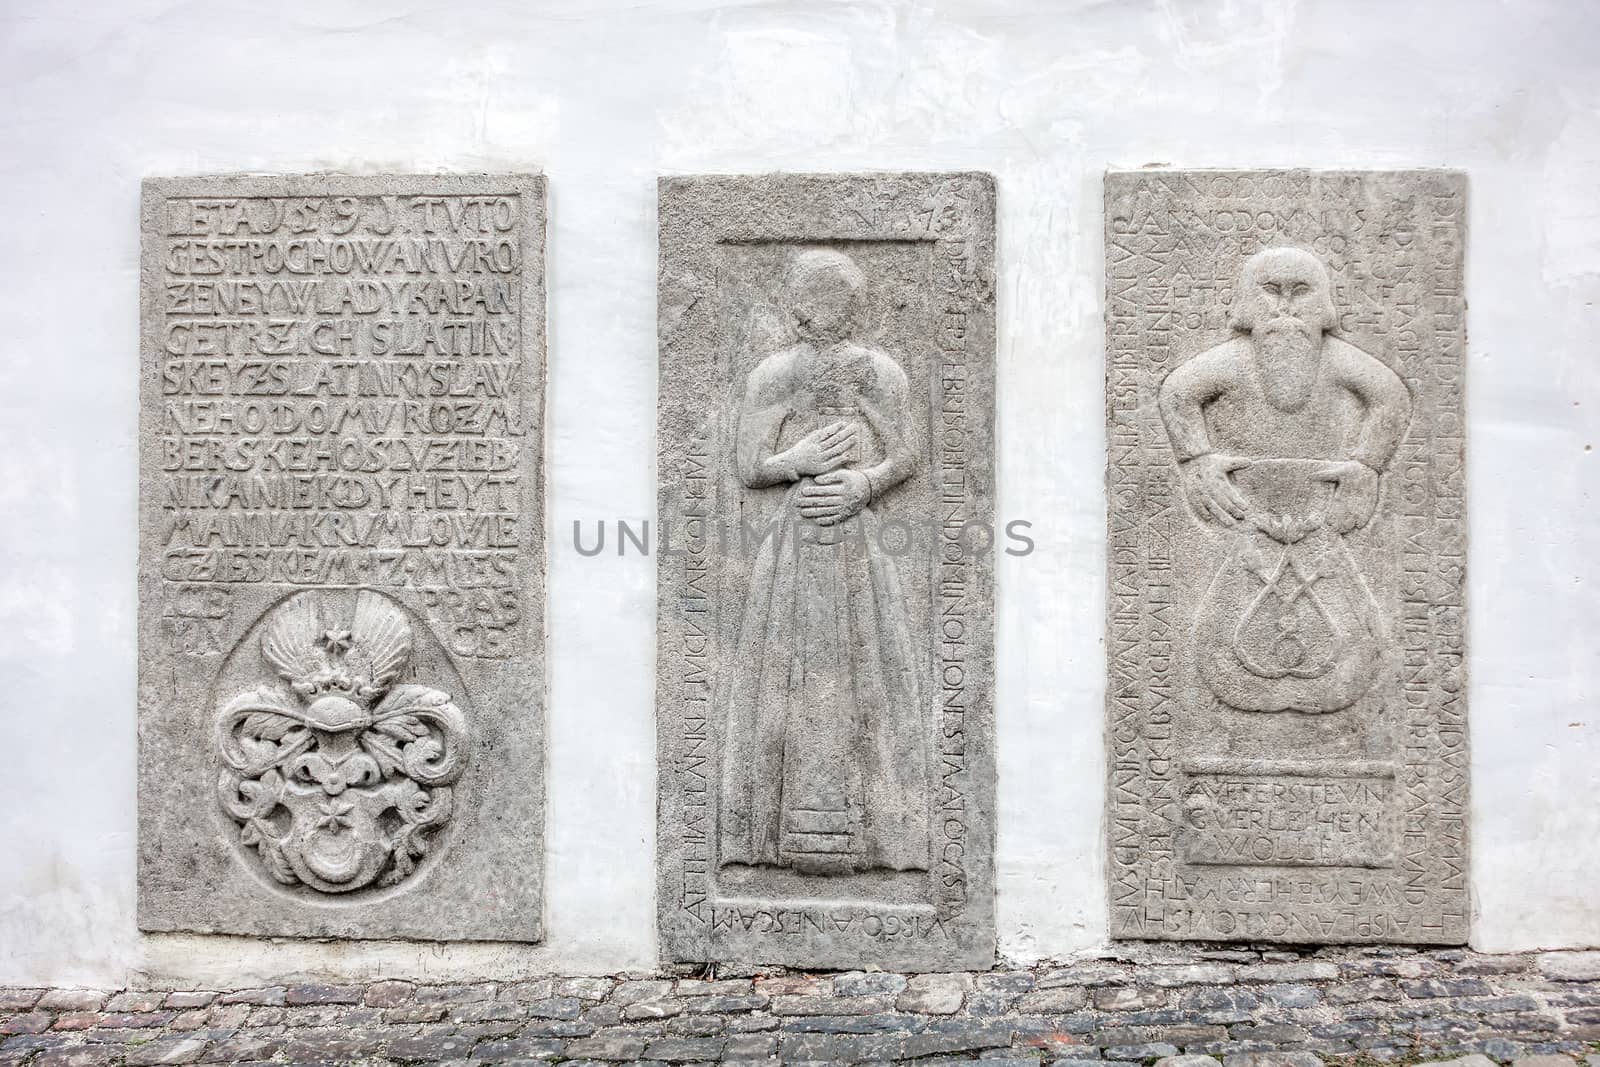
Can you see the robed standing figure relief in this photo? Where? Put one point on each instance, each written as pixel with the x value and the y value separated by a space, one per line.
pixel 825 761
pixel 1281 435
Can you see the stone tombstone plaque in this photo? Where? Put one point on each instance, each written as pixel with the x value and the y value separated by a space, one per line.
pixel 1287 552
pixel 825 667
pixel 341 556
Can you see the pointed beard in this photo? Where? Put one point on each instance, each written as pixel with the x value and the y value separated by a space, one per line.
pixel 1288 353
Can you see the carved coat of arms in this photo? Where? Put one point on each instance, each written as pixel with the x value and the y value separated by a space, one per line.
pixel 338 777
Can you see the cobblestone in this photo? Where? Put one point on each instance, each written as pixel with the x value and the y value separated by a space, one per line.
pixel 1139 1052
pixel 1307 971
pixel 1193 974
pixel 586 989
pixel 795 985
pixel 1182 1006
pixel 632 992
pixel 862 983
pixel 76 1000
pixel 831 1005
pixel 609 1045
pixel 659 1008
pixel 270 995
pixel 1272 1059
pixel 519 1049
pixel 388 994
pixel 34 1022
pixel 127 1002
pixel 727 1003
pixel 1116 998
pixel 1570 966
pixel 934 994
pixel 457 994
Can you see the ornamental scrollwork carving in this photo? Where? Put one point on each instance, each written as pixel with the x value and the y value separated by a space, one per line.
pixel 338 777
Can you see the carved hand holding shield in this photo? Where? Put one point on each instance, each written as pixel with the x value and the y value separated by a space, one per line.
pixel 343 778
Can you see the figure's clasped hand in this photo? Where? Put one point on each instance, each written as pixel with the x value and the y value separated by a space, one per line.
pixel 1355 494
pixel 824 449
pixel 834 497
pixel 1209 491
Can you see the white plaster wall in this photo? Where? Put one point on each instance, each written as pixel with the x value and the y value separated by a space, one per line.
pixel 604 96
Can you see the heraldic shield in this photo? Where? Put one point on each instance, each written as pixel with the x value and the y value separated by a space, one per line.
pixel 1287 623
pixel 340 776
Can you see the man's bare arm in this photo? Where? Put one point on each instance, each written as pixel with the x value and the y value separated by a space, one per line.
pixel 1183 398
pixel 1384 398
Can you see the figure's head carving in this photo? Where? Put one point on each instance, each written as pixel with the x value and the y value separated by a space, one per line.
pixel 823 292
pixel 1284 301
pixel 1279 284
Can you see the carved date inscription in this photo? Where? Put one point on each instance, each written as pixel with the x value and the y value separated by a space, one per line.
pixel 342 547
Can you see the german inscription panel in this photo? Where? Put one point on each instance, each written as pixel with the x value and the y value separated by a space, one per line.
pixel 824 695
pixel 341 569
pixel 1287 550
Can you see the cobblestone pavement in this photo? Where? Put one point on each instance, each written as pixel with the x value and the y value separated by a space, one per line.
pixel 1151 1004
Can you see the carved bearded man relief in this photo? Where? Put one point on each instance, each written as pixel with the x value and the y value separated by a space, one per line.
pixel 1281 435
pixel 339 777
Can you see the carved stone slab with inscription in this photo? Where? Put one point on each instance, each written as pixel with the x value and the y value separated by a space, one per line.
pixel 825 659
pixel 341 557
pixel 1287 547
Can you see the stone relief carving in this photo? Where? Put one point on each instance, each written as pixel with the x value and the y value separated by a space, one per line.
pixel 825 763
pixel 341 556
pixel 825 644
pixel 337 776
pixel 1287 754
pixel 1281 434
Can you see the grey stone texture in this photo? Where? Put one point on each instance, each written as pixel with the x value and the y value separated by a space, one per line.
pixel 1579 966
pixel 825 650
pixel 341 557
pixel 1526 1018
pixel 1286 698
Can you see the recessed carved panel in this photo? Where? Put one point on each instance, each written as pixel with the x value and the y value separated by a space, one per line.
pixel 826 451
pixel 341 557
pixel 1286 699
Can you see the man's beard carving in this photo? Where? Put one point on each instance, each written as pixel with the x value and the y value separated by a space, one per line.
pixel 1288 353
